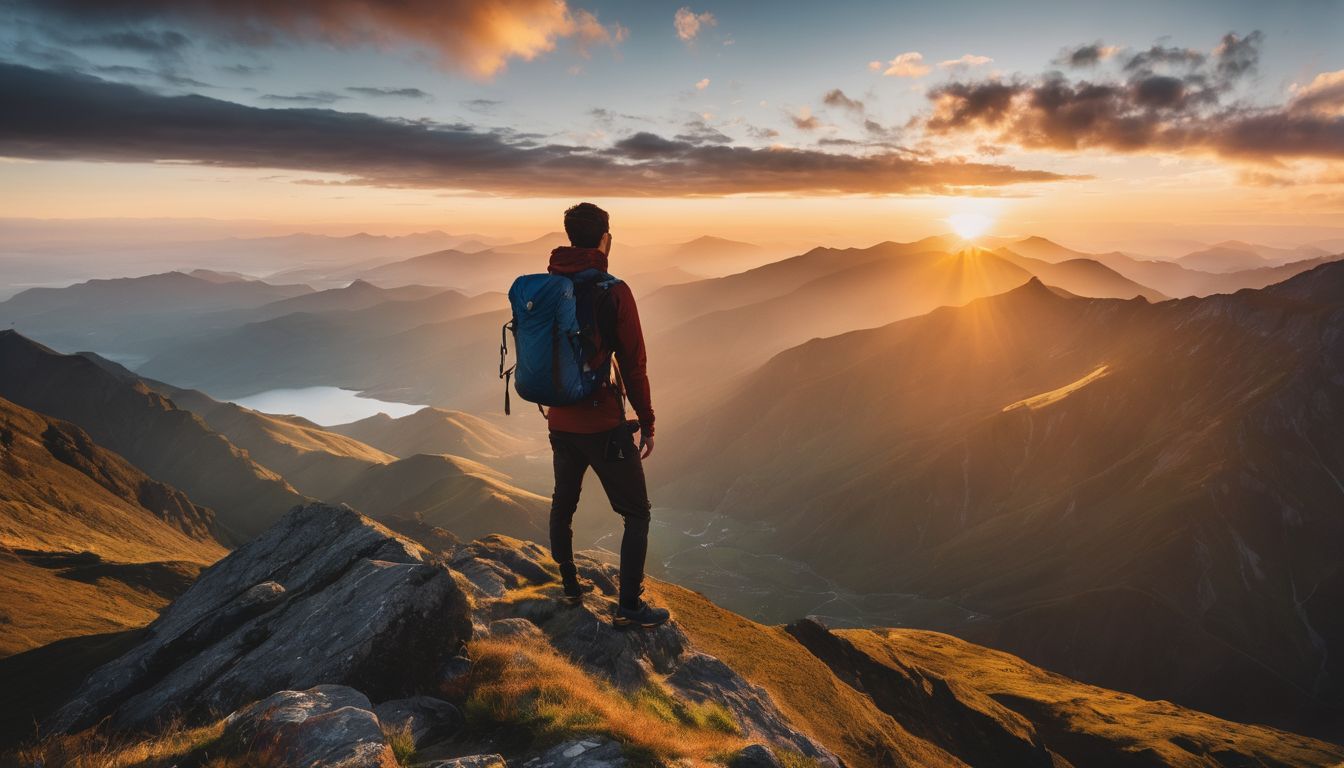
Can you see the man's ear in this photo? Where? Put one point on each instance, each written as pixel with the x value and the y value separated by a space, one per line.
pixel 604 244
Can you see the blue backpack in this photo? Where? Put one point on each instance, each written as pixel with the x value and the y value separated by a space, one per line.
pixel 554 328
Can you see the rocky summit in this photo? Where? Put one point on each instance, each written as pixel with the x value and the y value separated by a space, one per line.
pixel 332 641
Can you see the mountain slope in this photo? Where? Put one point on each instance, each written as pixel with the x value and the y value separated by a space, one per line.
pixel 1161 478
pixel 166 442
pixel 435 430
pixel 88 543
pixel 442 491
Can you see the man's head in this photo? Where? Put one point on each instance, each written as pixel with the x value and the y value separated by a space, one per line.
pixel 585 224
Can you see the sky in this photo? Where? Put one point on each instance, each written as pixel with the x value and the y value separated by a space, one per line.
pixel 847 122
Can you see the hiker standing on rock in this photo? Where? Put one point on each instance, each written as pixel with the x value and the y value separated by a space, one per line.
pixel 580 351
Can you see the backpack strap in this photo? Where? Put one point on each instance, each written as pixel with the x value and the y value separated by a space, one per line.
pixel 504 353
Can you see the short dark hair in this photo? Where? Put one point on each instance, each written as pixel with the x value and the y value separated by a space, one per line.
pixel 585 224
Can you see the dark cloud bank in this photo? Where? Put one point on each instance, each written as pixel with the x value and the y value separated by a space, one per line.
pixel 62 115
pixel 1163 99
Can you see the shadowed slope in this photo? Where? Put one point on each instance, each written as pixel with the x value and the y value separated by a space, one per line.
pixel 1181 511
pixel 164 441
pixel 88 543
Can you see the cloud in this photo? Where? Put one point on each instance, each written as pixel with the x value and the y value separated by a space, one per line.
pixel 908 64
pixel 966 61
pixel 837 98
pixel 477 36
pixel 382 92
pixel 1238 56
pixel 699 131
pixel 1188 110
pixel 1165 56
pixel 804 120
pixel 311 97
pixel 702 84
pixel 688 23
pixel 1089 55
pixel 1324 95
pixel 245 70
pixel 68 116
pixel 154 42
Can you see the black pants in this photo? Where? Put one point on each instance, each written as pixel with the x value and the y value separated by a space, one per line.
pixel 622 479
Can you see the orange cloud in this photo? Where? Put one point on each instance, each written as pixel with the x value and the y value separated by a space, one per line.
pixel 908 64
pixel 477 36
pixel 688 23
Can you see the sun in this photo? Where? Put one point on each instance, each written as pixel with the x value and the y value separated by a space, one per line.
pixel 970 225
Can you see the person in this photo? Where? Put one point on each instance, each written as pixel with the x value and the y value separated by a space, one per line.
pixel 594 432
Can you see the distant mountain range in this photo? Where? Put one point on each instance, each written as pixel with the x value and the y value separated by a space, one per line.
pixel 1162 479
pixel 1132 491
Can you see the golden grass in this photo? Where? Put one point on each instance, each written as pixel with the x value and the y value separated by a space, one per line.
pixel 1079 708
pixel 402 742
pixel 801 685
pixel 99 748
pixel 532 696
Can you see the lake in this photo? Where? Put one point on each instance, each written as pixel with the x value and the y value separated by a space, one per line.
pixel 326 406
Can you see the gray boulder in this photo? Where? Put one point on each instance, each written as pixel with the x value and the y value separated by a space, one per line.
pixel 472 761
pixel 324 596
pixel 593 752
pixel 429 720
pixel 328 726
pixel 514 627
pixel 754 756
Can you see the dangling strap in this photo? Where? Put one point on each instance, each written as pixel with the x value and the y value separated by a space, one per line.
pixel 620 383
pixel 506 375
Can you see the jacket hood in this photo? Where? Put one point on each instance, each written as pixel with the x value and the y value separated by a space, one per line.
pixel 567 260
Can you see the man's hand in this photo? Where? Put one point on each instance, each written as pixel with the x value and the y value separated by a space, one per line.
pixel 645 445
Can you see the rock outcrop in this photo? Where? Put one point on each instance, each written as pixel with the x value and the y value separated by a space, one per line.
pixel 325 596
pixel 497 565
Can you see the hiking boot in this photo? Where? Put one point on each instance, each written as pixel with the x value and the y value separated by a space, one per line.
pixel 644 615
pixel 569 580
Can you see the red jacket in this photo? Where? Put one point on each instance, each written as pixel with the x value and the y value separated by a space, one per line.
pixel 602 411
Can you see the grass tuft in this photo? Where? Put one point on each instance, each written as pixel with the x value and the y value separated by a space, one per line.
pixel 99 748
pixel 402 742
pixel 528 695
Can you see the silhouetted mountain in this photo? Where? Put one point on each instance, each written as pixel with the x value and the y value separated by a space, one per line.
pixel 1225 257
pixel 358 349
pixel 1161 480
pixel 88 543
pixel 1175 279
pixel 129 314
pixel 709 255
pixel 357 295
pixel 1084 277
pixel 167 443
pixel 489 270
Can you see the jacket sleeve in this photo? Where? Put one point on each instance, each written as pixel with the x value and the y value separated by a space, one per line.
pixel 630 356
